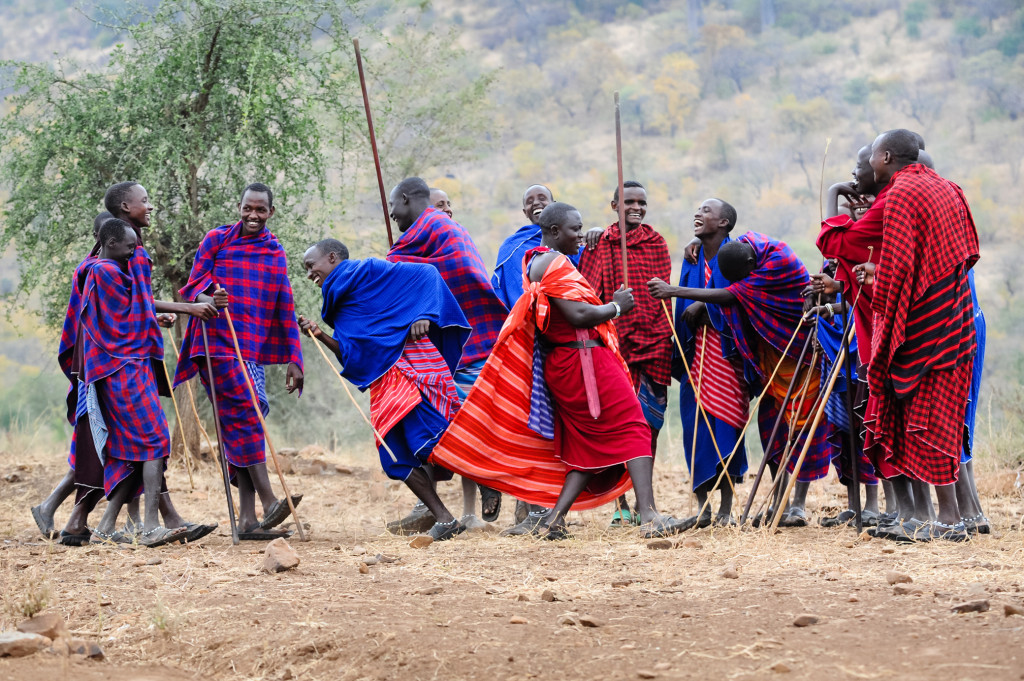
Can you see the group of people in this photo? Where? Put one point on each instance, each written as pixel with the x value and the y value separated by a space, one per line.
pixel 547 379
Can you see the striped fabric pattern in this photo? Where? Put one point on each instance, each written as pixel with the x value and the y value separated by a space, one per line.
pixel 721 394
pixel 489 440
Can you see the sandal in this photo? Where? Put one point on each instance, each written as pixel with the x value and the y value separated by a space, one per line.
pixel 196 531
pixel 957 532
pixel 279 512
pixel 559 533
pixel 68 539
pixel 663 527
pixel 623 517
pixel 257 534
pixel 115 537
pixel 159 536
pixel 46 529
pixel 796 517
pixel 489 499
pixel 445 531
pixel 843 518
pixel 724 520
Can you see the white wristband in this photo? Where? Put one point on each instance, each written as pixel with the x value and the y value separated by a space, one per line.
pixel 618 310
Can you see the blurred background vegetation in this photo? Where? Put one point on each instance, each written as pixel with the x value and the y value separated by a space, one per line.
pixel 728 98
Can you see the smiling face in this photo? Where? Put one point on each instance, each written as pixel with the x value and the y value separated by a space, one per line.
pixel 863 174
pixel 136 207
pixel 567 237
pixel 318 265
pixel 535 200
pixel 635 203
pixel 708 218
pixel 439 200
pixel 255 210
pixel 121 250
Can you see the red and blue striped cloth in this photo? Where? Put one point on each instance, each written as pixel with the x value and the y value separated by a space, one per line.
pixel 769 298
pixel 436 239
pixel 254 270
pixel 116 356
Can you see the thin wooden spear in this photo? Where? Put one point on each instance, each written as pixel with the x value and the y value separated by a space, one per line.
pixel 696 411
pixel 373 142
pixel 181 426
pixel 621 202
pixel 259 415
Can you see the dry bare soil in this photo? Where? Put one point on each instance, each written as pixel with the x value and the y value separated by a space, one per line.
pixel 484 607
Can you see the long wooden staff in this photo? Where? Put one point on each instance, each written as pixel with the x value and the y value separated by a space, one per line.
pixel 775 431
pixel 352 397
pixel 689 376
pixel 181 426
pixel 817 419
pixel 854 434
pixel 220 438
pixel 373 143
pixel 192 401
pixel 696 411
pixel 621 202
pixel 259 415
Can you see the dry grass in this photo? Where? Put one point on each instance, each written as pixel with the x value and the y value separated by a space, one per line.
pixel 207 611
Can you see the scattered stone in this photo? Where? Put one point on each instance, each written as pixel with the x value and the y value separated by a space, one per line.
pixel 358 551
pixel 48 624
pixel 522 597
pixel 382 558
pixel 364 569
pixel 971 606
pixel 1012 609
pixel 622 582
pixel 646 674
pixel 342 470
pixel 516 619
pixel 421 541
pixel 888 549
pixel 312 451
pixel 780 668
pixel 627 646
pixel 591 621
pixel 853 599
pixel 551 578
pixel 279 556
pixel 730 572
pixel 691 543
pixel 659 544
pixel 662 666
pixel 430 591
pixel 12 478
pixel 894 577
pixel 805 620
pixel 848 545
pixel 906 590
pixel 864 536
pixel 548 596
pixel 77 646
pixel 831 576
pixel 154 561
pixel 20 644
pixel 568 620
pixel 493 590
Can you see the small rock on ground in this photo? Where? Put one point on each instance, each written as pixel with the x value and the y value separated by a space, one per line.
pixel 730 572
pixel 21 644
pixel 780 668
pixel 658 544
pixel 646 674
pixel 906 590
pixel 971 606
pixel 1012 609
pixel 894 577
pixel 421 541
pixel 48 624
pixel 516 619
pixel 591 621
pixel 279 556
pixel 805 620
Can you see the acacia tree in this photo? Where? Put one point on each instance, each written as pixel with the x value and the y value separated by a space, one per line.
pixel 203 97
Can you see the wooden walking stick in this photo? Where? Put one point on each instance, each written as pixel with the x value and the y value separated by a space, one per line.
pixel 620 203
pixel 181 428
pixel 220 438
pixel 696 411
pixel 700 409
pixel 807 444
pixel 854 434
pixel 775 431
pixel 192 402
pixel 373 144
pixel 259 415
pixel 794 435
pixel 750 417
pixel 352 397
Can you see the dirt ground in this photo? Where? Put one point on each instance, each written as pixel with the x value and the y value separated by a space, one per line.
pixel 476 607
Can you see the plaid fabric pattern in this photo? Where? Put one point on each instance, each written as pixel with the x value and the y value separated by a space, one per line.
pixel 118 322
pixel 928 233
pixel 644 333
pixel 69 332
pixel 244 444
pixel 254 270
pixel 653 401
pixel 436 239
pixel 136 425
pixel 769 299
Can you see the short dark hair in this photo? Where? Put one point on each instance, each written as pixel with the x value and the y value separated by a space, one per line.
pixel 554 214
pixel 902 144
pixel 325 246
pixel 116 195
pixel 729 213
pixel 414 187
pixel 114 228
pixel 551 194
pixel 258 188
pixel 920 140
pixel 733 260
pixel 99 220
pixel 628 184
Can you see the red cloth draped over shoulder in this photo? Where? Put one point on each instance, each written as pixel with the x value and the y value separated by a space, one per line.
pixel 850 243
pixel 489 440
pixel 645 335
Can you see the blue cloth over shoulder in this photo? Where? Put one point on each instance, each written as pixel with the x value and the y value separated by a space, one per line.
pixel 369 304
pixel 508 272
